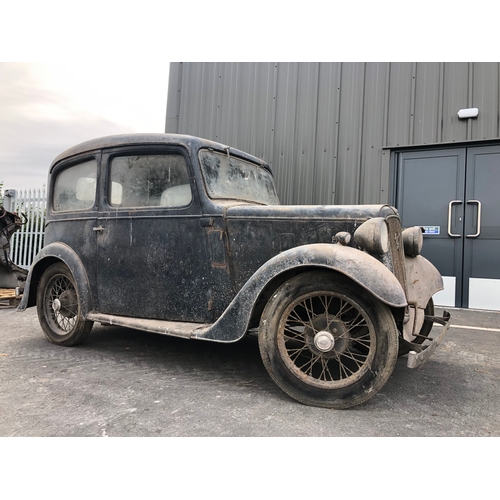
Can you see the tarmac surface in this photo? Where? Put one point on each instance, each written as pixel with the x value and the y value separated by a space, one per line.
pixel 123 382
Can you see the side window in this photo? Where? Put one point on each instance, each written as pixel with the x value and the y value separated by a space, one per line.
pixel 149 181
pixel 75 187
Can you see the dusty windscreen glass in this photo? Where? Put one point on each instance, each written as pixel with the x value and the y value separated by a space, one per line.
pixel 228 177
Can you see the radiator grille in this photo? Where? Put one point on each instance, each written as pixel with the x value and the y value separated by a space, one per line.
pixel 396 249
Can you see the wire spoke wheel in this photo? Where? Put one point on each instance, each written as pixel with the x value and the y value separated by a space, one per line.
pixel 61 305
pixel 327 339
pixel 58 307
pixel 326 342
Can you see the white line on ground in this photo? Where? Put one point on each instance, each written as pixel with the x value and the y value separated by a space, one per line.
pixel 476 328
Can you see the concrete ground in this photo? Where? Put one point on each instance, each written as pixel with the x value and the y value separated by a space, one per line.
pixel 128 383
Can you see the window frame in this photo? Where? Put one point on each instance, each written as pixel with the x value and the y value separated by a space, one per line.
pixel 66 165
pixel 113 153
pixel 241 159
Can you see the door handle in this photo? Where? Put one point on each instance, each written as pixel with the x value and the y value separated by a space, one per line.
pixel 478 203
pixel 98 229
pixel 450 205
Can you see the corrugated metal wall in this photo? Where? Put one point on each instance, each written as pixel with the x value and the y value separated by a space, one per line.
pixel 323 126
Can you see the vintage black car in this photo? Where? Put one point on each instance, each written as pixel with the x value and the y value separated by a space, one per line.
pixel 183 236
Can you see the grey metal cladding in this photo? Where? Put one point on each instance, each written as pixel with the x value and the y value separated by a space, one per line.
pixel 284 151
pixel 327 131
pixel 352 91
pixel 485 97
pixel 401 93
pixel 456 96
pixel 427 105
pixel 372 182
pixel 323 126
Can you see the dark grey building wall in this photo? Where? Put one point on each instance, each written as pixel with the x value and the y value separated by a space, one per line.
pixel 327 128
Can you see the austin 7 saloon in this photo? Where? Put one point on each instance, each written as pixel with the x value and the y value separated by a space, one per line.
pixel 183 236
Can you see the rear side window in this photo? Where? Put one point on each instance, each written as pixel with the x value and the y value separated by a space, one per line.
pixel 75 187
pixel 160 180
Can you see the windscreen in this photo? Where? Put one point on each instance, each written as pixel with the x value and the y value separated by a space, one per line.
pixel 228 177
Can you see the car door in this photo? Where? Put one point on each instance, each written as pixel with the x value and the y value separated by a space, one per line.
pixel 151 253
pixel 72 211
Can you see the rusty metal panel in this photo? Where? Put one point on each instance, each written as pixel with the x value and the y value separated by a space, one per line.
pixel 11 275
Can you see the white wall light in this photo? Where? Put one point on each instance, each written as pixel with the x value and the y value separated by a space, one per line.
pixel 463 114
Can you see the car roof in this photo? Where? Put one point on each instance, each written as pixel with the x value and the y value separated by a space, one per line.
pixel 112 141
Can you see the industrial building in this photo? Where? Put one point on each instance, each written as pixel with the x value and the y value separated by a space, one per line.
pixel 422 136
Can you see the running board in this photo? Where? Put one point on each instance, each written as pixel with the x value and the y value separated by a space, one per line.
pixel 171 328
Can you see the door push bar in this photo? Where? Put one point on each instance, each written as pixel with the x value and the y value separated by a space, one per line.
pixel 469 202
pixel 478 219
pixel 450 205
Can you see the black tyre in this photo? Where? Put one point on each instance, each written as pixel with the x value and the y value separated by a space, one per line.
pixel 327 342
pixel 58 307
pixel 423 334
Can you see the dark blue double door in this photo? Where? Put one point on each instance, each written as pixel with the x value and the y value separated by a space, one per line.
pixel 454 195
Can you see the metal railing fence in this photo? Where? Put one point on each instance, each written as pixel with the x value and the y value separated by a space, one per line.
pixel 28 241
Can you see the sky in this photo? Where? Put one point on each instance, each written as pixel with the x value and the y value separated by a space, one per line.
pixel 46 108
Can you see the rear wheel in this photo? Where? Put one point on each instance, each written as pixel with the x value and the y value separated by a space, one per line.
pixel 59 309
pixel 327 342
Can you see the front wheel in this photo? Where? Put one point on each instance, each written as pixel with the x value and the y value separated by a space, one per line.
pixel 327 342
pixel 59 309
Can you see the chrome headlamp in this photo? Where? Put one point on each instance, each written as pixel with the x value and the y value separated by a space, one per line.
pixel 373 236
pixel 413 240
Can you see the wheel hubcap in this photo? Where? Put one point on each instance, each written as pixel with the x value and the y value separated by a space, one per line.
pixel 56 305
pixel 324 341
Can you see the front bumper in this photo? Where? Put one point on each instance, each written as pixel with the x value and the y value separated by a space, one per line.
pixel 420 354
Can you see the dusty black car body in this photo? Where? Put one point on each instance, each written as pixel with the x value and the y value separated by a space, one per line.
pixel 183 236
